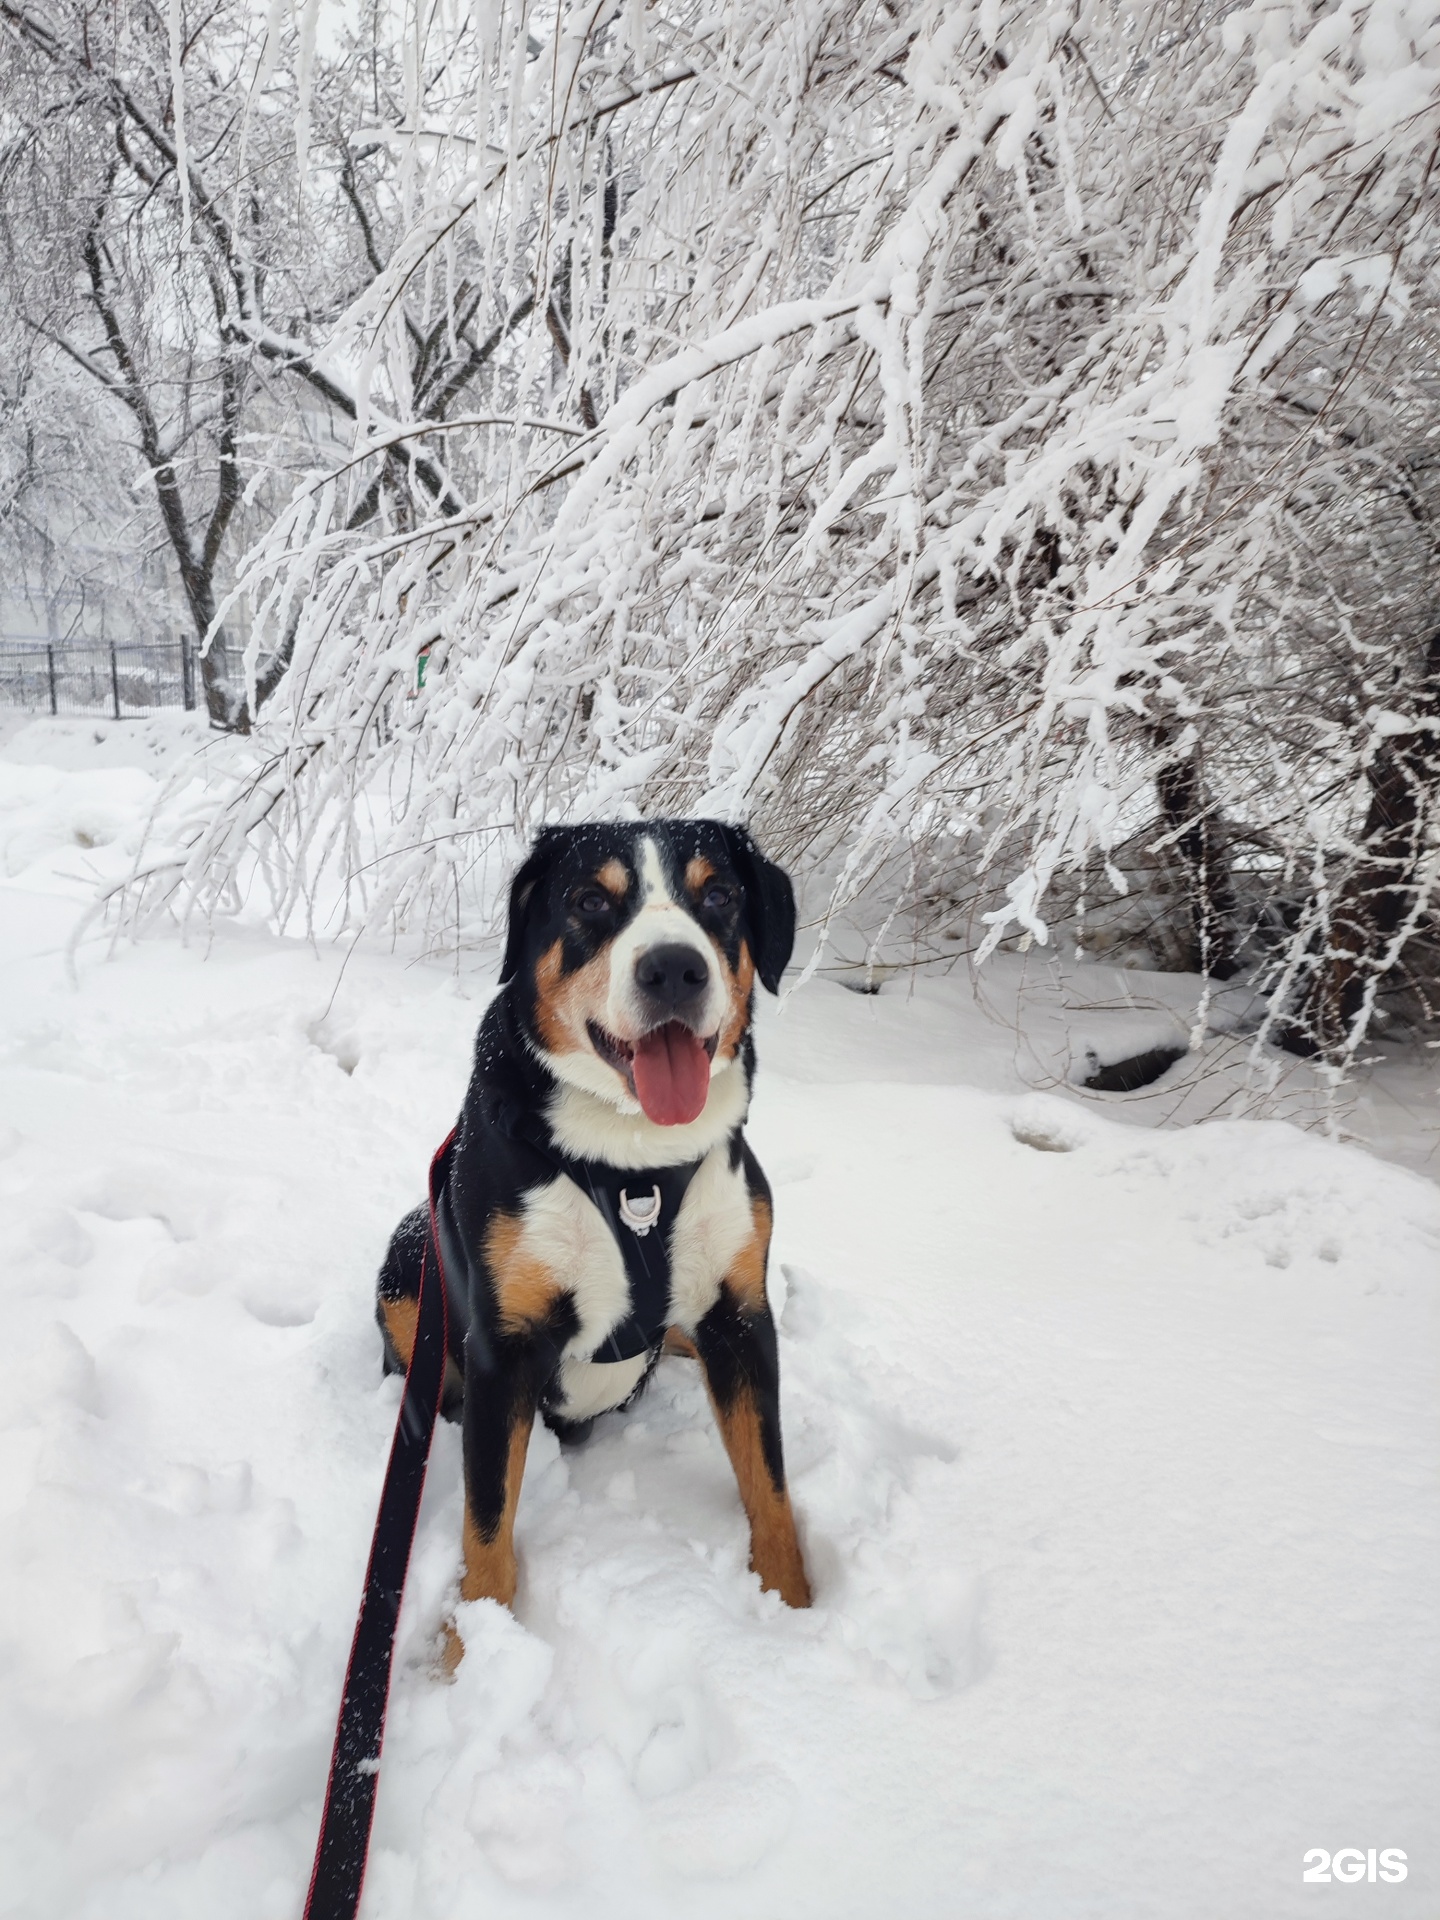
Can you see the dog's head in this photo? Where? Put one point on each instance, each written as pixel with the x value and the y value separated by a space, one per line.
pixel 633 950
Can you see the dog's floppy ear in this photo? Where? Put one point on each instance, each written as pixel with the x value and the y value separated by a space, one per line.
pixel 769 906
pixel 528 876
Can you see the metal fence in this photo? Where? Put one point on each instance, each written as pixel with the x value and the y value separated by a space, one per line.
pixel 98 676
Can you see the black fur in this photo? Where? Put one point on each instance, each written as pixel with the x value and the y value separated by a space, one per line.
pixel 770 907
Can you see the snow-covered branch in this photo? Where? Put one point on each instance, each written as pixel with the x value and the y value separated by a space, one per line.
pixel 990 434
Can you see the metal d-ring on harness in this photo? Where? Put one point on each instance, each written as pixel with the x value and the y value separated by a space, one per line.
pixel 342 1850
pixel 640 1215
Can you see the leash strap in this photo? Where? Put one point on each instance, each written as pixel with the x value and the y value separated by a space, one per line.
pixel 343 1848
pixel 344 1844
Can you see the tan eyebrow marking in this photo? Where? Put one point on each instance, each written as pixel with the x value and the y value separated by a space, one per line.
pixel 614 877
pixel 698 872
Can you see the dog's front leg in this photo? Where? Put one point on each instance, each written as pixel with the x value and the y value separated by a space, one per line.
pixel 737 1349
pixel 501 1393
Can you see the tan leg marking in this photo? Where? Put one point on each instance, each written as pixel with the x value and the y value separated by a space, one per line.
pixel 680 1345
pixel 491 1571
pixel 774 1548
pixel 525 1288
pixel 402 1316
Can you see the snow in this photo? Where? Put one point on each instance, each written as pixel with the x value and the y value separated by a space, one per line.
pixel 1112 1443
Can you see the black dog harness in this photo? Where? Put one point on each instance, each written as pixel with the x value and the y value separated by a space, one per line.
pixel 639 1209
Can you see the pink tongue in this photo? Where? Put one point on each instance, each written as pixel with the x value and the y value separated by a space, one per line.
pixel 672 1075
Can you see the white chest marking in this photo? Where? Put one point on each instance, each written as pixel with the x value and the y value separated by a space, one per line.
pixel 590 1128
pixel 564 1229
pixel 712 1226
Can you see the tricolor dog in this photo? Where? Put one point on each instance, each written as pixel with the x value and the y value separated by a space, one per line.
pixel 598 1197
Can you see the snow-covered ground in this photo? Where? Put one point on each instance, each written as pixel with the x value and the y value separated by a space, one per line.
pixel 1114 1447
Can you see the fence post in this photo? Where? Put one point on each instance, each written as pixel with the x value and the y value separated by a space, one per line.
pixel 114 680
pixel 50 663
pixel 187 674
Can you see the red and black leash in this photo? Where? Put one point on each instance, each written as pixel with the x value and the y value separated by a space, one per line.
pixel 344 1844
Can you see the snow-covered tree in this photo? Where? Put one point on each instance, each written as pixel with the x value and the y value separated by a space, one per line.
pixel 184 211
pixel 982 433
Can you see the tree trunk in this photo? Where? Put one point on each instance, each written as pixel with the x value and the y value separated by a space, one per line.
pixel 1188 817
pixel 223 709
pixel 1372 905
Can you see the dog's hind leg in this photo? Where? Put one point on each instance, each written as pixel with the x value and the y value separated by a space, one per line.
pixel 397 1290
pixel 397 1306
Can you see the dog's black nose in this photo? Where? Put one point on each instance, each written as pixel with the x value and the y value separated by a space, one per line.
pixel 672 978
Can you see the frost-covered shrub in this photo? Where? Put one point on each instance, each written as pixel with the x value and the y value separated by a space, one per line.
pixel 887 419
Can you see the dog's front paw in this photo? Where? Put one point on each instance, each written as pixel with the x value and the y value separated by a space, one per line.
pixel 452 1652
pixel 783 1572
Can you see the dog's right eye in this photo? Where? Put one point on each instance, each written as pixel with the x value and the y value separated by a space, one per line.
pixel 591 902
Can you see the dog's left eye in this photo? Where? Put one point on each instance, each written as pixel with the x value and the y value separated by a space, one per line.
pixel 717 897
pixel 591 902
